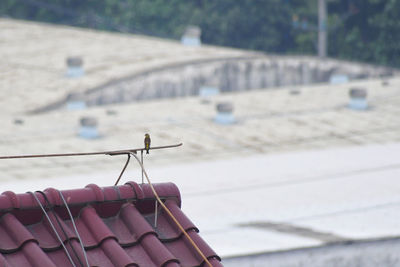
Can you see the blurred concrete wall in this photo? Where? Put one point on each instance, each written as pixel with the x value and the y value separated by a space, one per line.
pixel 235 74
pixel 227 74
pixel 382 253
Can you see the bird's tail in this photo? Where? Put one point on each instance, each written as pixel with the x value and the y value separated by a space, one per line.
pixel 147 152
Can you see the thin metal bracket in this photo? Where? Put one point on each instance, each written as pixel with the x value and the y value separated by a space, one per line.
pixel 156 214
pixel 123 170
pixel 141 155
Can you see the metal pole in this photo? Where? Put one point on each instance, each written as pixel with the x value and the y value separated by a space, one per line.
pixel 322 29
pixel 141 155
pixel 156 214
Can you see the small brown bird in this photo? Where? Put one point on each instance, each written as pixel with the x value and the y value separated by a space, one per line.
pixel 147 142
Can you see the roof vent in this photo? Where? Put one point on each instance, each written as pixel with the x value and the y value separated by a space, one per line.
pixel 358 99
pixel 75 67
pixel 111 112
pixel 88 129
pixel 385 82
pixel 294 91
pixel 206 92
pixel 225 113
pixel 75 101
pixel 191 37
pixel 18 121
pixel 338 79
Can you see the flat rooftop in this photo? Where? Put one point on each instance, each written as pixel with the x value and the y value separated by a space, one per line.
pixel 268 121
pixel 33 65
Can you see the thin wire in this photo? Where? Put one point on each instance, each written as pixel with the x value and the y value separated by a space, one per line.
pixel 123 170
pixel 171 215
pixel 54 229
pixel 111 153
pixel 62 228
pixel 76 230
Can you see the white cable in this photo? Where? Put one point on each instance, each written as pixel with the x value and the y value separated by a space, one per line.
pixel 54 229
pixel 76 230
pixel 171 215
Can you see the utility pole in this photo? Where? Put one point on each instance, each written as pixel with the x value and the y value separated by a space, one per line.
pixel 322 29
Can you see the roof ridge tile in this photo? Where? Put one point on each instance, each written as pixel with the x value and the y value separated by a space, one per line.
pixel 9 200
pixel 13 198
pixel 53 196
pixel 98 192
pixel 136 189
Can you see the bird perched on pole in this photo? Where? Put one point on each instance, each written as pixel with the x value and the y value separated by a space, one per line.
pixel 147 142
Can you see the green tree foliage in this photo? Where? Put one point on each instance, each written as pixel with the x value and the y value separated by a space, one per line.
pixel 253 24
pixel 370 32
pixel 365 30
pixel 304 23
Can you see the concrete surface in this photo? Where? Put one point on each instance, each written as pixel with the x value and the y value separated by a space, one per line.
pixel 268 122
pixel 382 253
pixel 267 203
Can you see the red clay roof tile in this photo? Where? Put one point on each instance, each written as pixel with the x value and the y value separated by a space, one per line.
pixel 116 225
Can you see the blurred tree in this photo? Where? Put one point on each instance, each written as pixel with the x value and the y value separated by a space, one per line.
pixel 304 22
pixel 254 24
pixel 366 30
pixel 369 31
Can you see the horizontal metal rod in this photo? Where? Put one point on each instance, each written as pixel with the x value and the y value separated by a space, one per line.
pixel 111 153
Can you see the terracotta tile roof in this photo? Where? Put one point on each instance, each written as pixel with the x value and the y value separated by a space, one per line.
pixel 116 225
